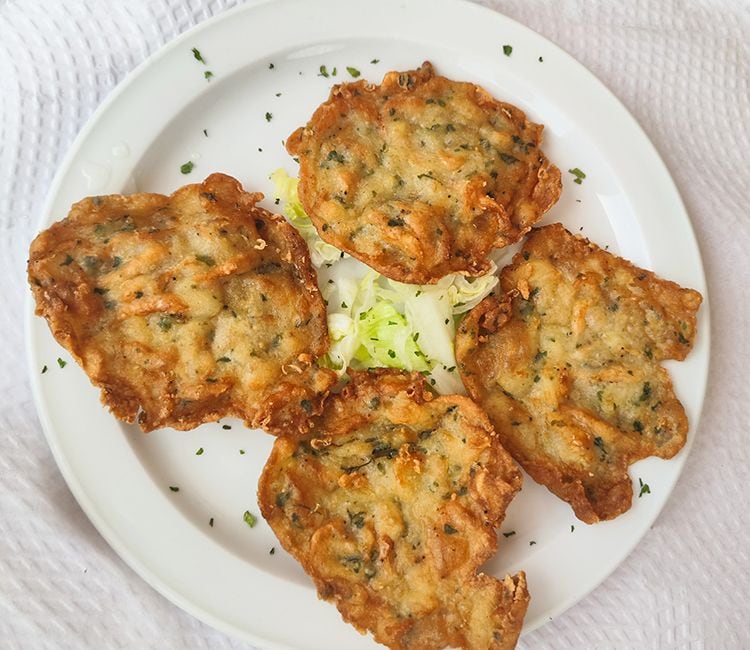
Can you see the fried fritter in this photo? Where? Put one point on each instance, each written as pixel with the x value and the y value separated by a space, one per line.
pixel 391 504
pixel 186 308
pixel 422 176
pixel 567 366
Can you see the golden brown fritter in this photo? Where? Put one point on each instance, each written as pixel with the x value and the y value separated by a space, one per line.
pixel 567 366
pixel 391 504
pixel 186 308
pixel 422 176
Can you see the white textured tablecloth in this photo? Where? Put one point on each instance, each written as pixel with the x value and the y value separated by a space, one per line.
pixel 681 67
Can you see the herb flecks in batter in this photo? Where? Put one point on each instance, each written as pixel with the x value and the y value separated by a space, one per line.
pixel 433 153
pixel 396 498
pixel 606 326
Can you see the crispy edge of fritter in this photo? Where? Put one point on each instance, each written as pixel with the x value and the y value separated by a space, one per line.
pixel 544 195
pixel 119 394
pixel 495 311
pixel 442 627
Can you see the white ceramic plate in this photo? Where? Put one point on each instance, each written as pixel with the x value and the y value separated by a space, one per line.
pixel 265 59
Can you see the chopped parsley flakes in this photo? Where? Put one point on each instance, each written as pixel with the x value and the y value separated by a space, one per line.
pixel 208 74
pixel 174 488
pixel 579 175
pixel 374 61
pixel 199 452
pixel 645 489
pixel 353 71
pixel 198 56
pixel 44 369
pixel 187 167
pixel 509 533
pixel 61 363
pixel 269 116
pixel 323 72
pixel 507 50
pixel 206 259
pixel 249 518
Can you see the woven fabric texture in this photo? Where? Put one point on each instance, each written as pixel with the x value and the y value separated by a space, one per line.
pixel 682 67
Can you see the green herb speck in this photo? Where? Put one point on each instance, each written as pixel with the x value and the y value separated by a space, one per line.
pixel 187 167
pixel 206 259
pixel 174 488
pixel 323 72
pixel 249 518
pixel 374 61
pixel 199 452
pixel 449 530
pixel 507 50
pixel 269 116
pixel 61 363
pixel 44 369
pixel 579 175
pixel 164 323
pixel 198 56
pixel 645 489
pixel 208 74
pixel 509 533
pixel 353 71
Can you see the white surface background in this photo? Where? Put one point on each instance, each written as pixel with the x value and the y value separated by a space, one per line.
pixel 682 68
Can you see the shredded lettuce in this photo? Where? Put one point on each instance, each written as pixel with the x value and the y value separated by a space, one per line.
pixel 377 322
pixel 286 190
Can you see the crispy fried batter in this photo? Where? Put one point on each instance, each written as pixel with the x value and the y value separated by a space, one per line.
pixel 186 308
pixel 567 366
pixel 422 176
pixel 391 505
